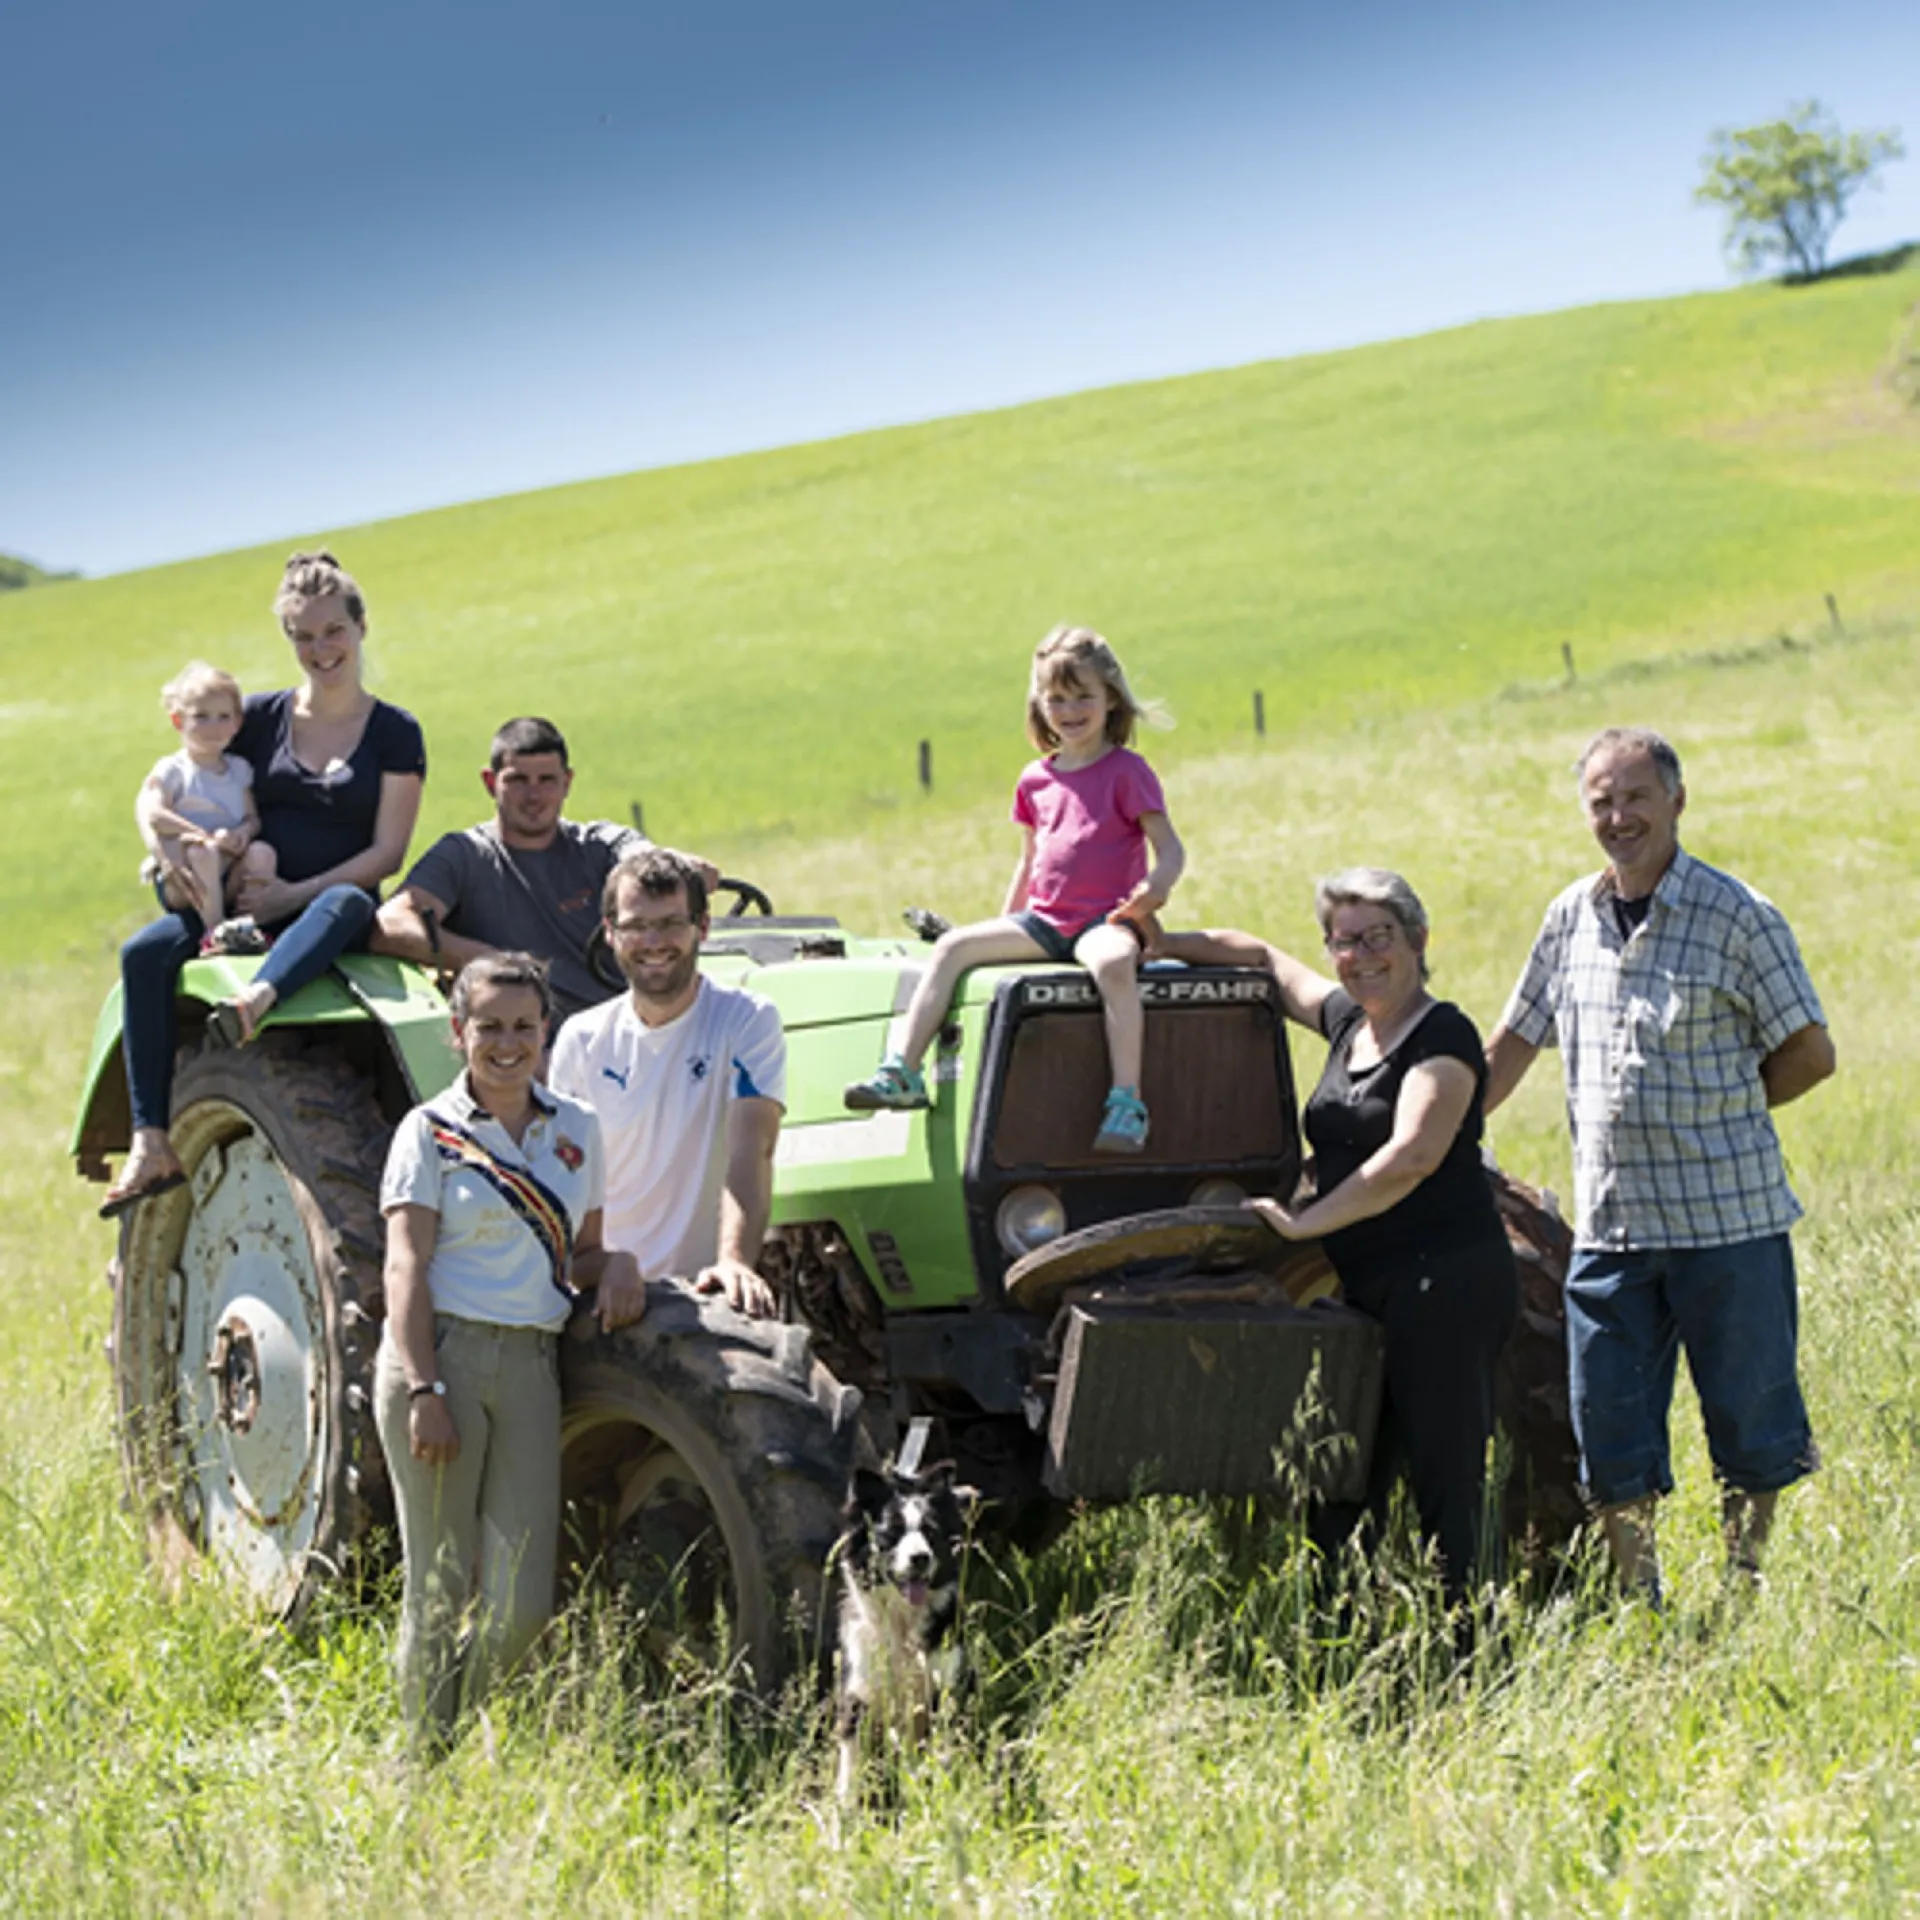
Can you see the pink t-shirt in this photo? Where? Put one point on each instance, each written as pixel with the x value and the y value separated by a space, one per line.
pixel 1089 851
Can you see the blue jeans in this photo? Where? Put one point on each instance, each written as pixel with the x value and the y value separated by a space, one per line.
pixel 332 923
pixel 1736 1311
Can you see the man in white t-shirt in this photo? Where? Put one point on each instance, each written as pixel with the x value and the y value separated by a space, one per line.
pixel 690 1082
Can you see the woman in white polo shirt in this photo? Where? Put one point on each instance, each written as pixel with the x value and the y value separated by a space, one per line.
pixel 492 1198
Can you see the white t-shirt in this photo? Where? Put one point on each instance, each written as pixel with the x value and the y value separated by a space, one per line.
pixel 211 798
pixel 488 1264
pixel 662 1094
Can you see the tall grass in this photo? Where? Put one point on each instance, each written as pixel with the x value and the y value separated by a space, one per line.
pixel 1170 1716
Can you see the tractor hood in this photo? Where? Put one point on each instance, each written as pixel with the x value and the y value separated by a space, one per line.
pixel 865 986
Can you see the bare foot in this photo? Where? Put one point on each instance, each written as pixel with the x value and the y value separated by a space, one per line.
pixel 152 1167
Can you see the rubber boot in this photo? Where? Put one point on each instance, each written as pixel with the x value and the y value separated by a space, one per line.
pixel 1630 1539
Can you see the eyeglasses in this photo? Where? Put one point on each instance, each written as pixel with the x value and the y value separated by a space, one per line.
pixel 1373 939
pixel 672 927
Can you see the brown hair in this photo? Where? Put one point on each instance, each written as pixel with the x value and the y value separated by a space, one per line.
pixel 529 734
pixel 501 970
pixel 657 872
pixel 312 576
pixel 1070 655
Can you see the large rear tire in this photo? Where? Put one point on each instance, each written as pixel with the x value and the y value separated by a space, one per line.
pixel 1542 1508
pixel 704 1459
pixel 246 1312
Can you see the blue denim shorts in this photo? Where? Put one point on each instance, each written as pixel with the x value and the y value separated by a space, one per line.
pixel 1736 1311
pixel 1051 940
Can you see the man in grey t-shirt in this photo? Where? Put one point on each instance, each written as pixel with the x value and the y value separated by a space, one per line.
pixel 526 880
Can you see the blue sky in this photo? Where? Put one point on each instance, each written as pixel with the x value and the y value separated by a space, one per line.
pixel 269 271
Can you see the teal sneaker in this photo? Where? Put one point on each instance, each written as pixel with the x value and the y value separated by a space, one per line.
pixel 893 1085
pixel 1123 1124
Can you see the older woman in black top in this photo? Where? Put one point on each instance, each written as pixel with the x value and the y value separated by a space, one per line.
pixel 1404 1205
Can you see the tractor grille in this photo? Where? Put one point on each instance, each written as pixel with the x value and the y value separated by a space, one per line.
pixel 1209 1081
pixel 1216 1079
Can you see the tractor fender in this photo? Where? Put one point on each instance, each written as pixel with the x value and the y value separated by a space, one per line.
pixel 396 1006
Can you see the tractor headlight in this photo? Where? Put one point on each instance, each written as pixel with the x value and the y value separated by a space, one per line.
pixel 1029 1217
pixel 1218 1193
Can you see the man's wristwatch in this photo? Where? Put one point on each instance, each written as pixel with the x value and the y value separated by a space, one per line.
pixel 438 1388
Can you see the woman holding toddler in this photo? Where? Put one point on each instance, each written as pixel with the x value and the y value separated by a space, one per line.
pixel 336 778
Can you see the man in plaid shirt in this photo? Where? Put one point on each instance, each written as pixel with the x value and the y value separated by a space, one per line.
pixel 1683 1012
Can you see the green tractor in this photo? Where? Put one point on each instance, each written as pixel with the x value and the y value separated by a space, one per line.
pixel 1078 1328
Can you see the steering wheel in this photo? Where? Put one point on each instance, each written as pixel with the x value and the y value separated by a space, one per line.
pixel 747 898
pixel 600 961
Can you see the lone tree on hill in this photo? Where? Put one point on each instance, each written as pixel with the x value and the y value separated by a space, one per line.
pixel 1785 185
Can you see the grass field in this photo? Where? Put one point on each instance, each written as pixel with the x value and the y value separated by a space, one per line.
pixel 1162 1726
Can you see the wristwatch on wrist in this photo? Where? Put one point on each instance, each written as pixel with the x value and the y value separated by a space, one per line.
pixel 438 1388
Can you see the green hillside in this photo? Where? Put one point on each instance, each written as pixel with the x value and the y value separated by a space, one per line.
pixel 16 573
pixel 753 646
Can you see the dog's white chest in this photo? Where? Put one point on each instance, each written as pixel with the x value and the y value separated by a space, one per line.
pixel 884 1661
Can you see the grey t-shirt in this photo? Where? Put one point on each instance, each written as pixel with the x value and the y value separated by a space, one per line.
pixel 545 902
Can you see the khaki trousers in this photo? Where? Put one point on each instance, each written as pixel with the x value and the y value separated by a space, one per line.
pixel 494 1510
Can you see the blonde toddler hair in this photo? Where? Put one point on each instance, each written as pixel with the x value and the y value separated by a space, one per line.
pixel 197 678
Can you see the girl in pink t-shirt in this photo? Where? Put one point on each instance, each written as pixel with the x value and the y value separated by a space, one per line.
pixel 1100 856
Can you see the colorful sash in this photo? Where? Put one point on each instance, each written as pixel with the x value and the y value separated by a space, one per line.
pixel 536 1206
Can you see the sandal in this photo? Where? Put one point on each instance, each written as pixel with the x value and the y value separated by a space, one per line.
pixel 240 935
pixel 1123 1123
pixel 121 1200
pixel 893 1086
pixel 229 1025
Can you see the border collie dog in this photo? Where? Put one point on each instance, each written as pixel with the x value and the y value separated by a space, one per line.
pixel 899 1556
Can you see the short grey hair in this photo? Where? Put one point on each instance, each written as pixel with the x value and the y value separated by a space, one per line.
pixel 1374 887
pixel 1634 740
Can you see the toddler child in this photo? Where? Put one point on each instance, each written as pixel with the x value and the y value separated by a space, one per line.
pixel 1093 813
pixel 196 810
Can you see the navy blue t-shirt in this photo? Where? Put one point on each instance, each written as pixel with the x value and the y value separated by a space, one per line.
pixel 315 819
